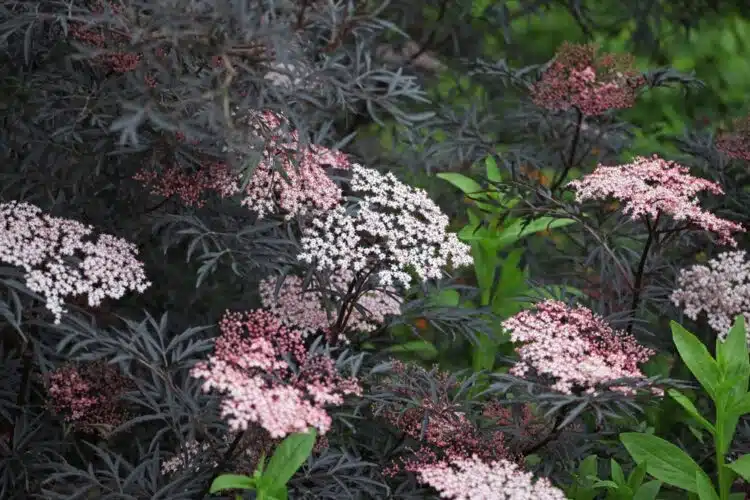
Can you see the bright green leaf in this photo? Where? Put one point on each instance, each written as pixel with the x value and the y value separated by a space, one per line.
pixel 697 358
pixel 637 475
pixel 647 491
pixel 232 482
pixel 691 409
pixel 706 489
pixel 666 462
pixel 483 353
pixel 741 466
pixel 521 229
pixel 422 348
pixel 732 355
pixel 288 457
pixel 493 172
pixel 617 474
pixel 466 184
pixel 589 467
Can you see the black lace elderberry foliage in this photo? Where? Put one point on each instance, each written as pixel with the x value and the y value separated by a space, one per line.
pixel 150 122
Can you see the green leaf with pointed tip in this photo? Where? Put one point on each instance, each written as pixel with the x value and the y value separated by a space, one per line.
pixel 232 482
pixel 617 474
pixel 288 457
pixel 466 184
pixel 647 491
pixel 706 489
pixel 520 229
pixel 691 409
pixel 732 356
pixel 493 172
pixel 637 475
pixel 697 358
pixel 741 466
pixel 421 348
pixel 666 462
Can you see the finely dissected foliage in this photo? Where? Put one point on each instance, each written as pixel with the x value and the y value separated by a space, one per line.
pixel 228 207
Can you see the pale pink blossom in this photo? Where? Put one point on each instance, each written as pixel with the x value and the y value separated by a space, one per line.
pixel 473 479
pixel 573 347
pixel 304 185
pixel 653 186
pixel 720 289
pixel 394 229
pixel 59 263
pixel 593 83
pixel 268 377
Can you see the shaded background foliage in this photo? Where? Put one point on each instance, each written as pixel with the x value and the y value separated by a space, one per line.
pixel 415 88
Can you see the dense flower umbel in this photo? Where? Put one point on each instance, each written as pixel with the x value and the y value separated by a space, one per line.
pixel 58 263
pixel 736 143
pixel 270 378
pixel 474 479
pixel 594 83
pixel 304 309
pixel 720 289
pixel 88 396
pixel 574 347
pixel 395 230
pixel 304 184
pixel 653 186
pixel 191 187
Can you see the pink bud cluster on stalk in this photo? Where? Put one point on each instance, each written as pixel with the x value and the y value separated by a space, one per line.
pixel 593 83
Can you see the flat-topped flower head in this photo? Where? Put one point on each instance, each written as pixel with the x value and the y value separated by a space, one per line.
pixel 393 229
pixel 735 143
pixel 591 82
pixel 573 347
pixel 268 376
pixel 59 263
pixel 474 479
pixel 653 186
pixel 720 289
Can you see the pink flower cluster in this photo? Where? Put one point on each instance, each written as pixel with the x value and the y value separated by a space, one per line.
pixel 270 378
pixel 304 184
pixel 736 143
pixel 89 396
pixel 191 186
pixel 720 289
pixel 118 61
pixel 473 479
pixel 304 309
pixel 653 186
pixel 591 82
pixel 394 228
pixel 574 347
pixel 58 263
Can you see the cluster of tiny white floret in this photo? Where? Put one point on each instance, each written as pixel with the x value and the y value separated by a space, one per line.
pixel 473 479
pixel 58 263
pixel 187 459
pixel 720 289
pixel 394 227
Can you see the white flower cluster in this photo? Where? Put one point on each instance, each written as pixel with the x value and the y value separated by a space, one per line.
pixel 721 289
pixel 59 263
pixel 394 227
